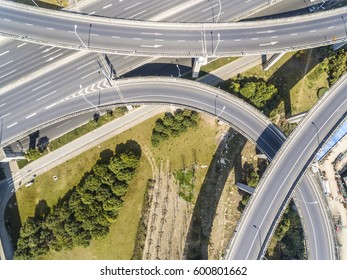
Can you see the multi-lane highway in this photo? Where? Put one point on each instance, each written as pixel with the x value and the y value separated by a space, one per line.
pixel 38 90
pixel 142 38
pixel 284 174
pixel 182 92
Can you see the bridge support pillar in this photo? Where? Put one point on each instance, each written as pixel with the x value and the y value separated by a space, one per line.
pixel 8 155
pixel 272 60
pixel 198 62
pixel 338 45
pixel 245 188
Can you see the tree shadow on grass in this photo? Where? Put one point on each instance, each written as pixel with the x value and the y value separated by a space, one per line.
pixel 130 145
pixel 41 210
pixel 284 78
pixel 197 241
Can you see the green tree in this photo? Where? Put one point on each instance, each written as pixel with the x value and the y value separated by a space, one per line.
pixel 32 154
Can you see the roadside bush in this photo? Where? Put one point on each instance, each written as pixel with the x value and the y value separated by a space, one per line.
pixel 173 125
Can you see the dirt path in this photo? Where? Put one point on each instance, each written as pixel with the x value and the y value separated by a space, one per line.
pixel 169 218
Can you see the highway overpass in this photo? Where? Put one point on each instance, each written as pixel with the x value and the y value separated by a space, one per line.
pixel 273 36
pixel 262 214
pixel 143 38
pixel 211 100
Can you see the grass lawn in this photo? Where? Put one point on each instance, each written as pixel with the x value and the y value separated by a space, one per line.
pixel 195 145
pixel 215 64
pixel 51 4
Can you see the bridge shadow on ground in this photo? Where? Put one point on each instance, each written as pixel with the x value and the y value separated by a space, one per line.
pixel 197 240
pixel 160 69
pixel 285 77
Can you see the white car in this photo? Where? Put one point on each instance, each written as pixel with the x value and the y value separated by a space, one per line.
pixel 29 183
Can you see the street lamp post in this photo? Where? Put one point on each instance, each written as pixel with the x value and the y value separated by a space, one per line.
pixel 96 108
pixel 220 9
pixel 221 112
pixel 258 231
pixel 307 202
pixel 179 70
pixel 317 131
pixel 218 41
pixel 79 38
pixel 344 24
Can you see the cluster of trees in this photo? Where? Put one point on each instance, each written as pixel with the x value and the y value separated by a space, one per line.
pixel 173 125
pixel 258 92
pixel 86 214
pixel 335 65
pixel 289 236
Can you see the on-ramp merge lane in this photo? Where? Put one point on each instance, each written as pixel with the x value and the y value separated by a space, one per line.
pixel 176 39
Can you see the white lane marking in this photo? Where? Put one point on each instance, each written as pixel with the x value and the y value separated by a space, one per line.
pixel 138 39
pixel 2 105
pixel 137 14
pixel 214 16
pixel 47 50
pixel 71 31
pixel 159 40
pixel 268 44
pixel 53 52
pixel 12 124
pixel 93 34
pixel 48 94
pixel 181 41
pixel 42 47
pixel 28 117
pixel 8 62
pixel 115 37
pixel 1 54
pixel 107 6
pixel 4 116
pixel 41 86
pixel 49 28
pixel 313 31
pixel 50 106
pixel 293 34
pixel 204 10
pixel 90 62
pixel 90 74
pixel 91 13
pixel 21 45
pixel 330 27
pixel 54 57
pixel 267 31
pixel 152 33
pixel 237 40
pixel 29 24
pixel 64 123
pixel 273 37
pixel 8 73
pixel 132 6
pixel 253 39
pixel 151 46
pixel 6 19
